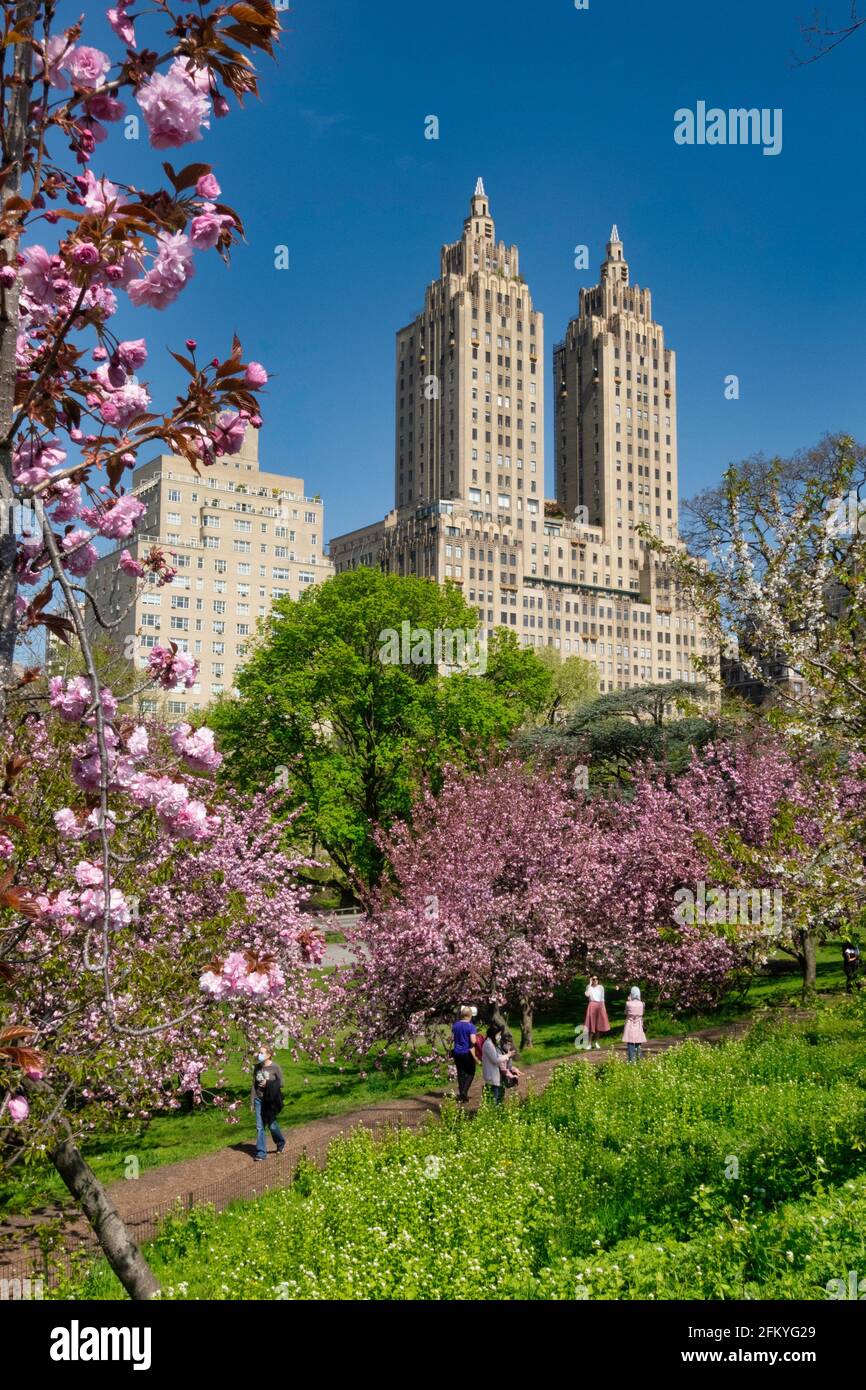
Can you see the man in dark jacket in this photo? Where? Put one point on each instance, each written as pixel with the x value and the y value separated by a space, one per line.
pixel 267 1102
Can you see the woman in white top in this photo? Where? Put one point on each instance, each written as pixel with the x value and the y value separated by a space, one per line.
pixel 596 1015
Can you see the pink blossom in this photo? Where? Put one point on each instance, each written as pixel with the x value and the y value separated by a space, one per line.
pixel 206 230
pixel 18 1109
pixel 70 698
pixel 87 875
pixel 81 556
pixel 255 375
pixel 7 849
pixel 86 66
pixel 104 107
pixel 137 742
pixel 122 24
pixel 229 433
pixel 132 353
pixel 67 825
pixel 38 274
pixel 207 187
pixel 68 505
pixel 118 521
pixel 91 907
pixel 85 254
pixel 58 47
pixel 168 274
pixel 174 109
pixel 120 408
pixel 130 566
pixel 172 668
pixel 197 748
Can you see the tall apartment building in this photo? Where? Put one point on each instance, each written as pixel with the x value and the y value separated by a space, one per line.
pixel 469 464
pixel 239 537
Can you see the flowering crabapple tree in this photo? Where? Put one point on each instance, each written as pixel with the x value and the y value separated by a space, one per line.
pixel 73 416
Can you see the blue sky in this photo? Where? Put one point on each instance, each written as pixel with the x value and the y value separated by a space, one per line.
pixel 754 261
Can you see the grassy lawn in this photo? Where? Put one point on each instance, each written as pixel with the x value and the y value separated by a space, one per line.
pixel 313 1091
pixel 729 1172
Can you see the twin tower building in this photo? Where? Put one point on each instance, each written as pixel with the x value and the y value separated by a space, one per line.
pixel 469 504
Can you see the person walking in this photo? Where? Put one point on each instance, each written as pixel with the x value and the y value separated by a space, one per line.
pixel 464 1033
pixel 851 965
pixel 267 1102
pixel 596 1021
pixel 633 1034
pixel 495 1063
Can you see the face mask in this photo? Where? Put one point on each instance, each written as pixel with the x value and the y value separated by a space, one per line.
pixel 260 1057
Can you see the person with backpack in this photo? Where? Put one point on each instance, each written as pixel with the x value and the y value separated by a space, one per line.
pixel 267 1102
pixel 465 1036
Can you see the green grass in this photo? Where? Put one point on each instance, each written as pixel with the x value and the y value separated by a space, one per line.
pixel 736 1171
pixel 313 1090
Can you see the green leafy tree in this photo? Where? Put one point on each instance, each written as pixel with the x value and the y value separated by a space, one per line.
pixel 343 703
pixel 575 683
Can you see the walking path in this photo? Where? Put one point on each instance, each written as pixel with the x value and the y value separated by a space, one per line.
pixel 227 1174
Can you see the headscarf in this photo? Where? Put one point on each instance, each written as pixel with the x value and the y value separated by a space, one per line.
pixel 634 992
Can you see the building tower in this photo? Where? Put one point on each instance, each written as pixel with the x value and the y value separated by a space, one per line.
pixel 469 396
pixel 615 409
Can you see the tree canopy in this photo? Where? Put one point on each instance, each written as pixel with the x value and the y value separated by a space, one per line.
pixel 352 733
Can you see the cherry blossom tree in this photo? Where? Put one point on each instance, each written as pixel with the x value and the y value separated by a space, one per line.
pixel 72 241
pixel 506 885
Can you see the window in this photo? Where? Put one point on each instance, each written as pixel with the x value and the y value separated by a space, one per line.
pixel 242 547
pixel 210 520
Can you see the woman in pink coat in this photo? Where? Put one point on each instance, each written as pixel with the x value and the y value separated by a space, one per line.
pixel 633 1034
pixel 596 1015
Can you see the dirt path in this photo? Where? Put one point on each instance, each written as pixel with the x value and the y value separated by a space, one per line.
pixel 225 1175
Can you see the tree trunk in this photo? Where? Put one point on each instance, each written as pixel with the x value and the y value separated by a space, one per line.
pixel 119 1248
pixel 809 962
pixel 525 1025
pixel 15 144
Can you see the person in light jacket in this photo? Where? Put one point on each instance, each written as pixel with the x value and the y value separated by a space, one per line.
pixel 633 1034
pixel 495 1062
pixel 596 1021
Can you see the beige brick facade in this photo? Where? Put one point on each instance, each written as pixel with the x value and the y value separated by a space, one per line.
pixel 240 538
pixel 469 464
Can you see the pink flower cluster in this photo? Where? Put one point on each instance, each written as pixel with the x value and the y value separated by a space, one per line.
pixel 196 748
pixel 171 669
pixel 237 978
pixel 175 105
pixel 171 268
pixel 118 521
pixel 70 698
